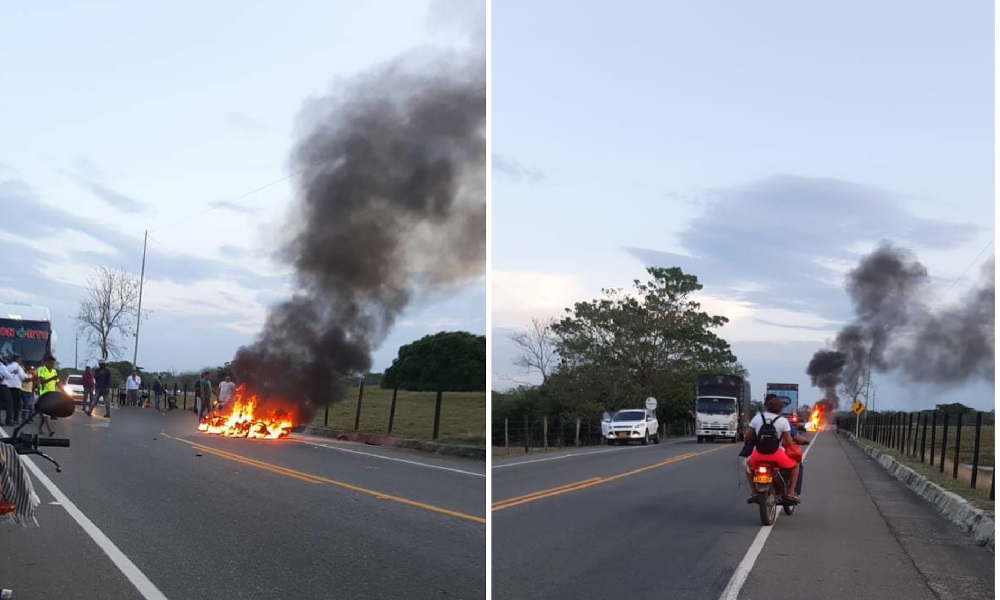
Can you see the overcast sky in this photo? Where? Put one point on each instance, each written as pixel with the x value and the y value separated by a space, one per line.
pixel 119 119
pixel 762 147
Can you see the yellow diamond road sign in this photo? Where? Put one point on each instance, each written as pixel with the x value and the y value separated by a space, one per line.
pixel 858 407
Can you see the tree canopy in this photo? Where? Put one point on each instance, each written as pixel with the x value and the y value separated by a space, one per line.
pixel 653 340
pixel 447 361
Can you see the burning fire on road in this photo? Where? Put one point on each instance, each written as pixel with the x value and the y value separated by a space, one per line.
pixel 814 420
pixel 245 417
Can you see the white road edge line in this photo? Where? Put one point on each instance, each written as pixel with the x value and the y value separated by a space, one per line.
pixel 126 566
pixel 574 454
pixel 732 591
pixel 560 457
pixel 402 460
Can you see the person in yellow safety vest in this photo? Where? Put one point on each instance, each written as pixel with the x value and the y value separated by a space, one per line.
pixel 48 379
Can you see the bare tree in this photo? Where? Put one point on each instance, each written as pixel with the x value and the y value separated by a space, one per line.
pixel 537 346
pixel 108 315
pixel 855 381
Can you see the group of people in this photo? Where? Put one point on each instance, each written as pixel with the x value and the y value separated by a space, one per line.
pixel 204 401
pixel 97 387
pixel 20 387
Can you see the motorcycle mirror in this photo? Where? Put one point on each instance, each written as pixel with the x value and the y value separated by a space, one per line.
pixel 55 404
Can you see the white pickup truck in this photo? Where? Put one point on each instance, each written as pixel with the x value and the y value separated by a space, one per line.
pixel 631 424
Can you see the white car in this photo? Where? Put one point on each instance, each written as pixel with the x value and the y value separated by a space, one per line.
pixel 631 424
pixel 74 387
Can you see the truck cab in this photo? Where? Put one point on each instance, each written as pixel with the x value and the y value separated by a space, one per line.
pixel 721 407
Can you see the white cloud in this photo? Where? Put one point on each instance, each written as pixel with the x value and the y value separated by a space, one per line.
pixel 64 245
pixel 779 326
pixel 441 324
pixel 520 295
pixel 236 305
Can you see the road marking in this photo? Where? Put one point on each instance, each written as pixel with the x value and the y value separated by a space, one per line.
pixel 560 488
pixel 402 460
pixel 739 577
pixel 560 457
pixel 574 454
pixel 586 483
pixel 254 463
pixel 126 566
pixel 316 479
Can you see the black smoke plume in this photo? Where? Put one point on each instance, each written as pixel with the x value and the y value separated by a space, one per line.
pixel 390 205
pixel 895 330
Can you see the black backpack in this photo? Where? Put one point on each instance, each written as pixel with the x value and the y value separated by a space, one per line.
pixel 768 440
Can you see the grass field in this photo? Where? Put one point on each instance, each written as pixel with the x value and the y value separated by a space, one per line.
pixel 463 415
pixel 978 497
pixel 967 445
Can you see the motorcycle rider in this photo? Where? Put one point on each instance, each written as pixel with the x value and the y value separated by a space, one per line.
pixel 802 441
pixel 772 413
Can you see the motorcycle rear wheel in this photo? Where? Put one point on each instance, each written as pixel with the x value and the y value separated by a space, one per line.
pixel 767 503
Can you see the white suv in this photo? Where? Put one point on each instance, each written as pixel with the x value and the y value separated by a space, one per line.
pixel 632 424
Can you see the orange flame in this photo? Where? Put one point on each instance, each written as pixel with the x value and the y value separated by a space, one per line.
pixel 814 420
pixel 244 418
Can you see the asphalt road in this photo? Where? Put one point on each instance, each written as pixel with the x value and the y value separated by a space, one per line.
pixel 671 521
pixel 148 508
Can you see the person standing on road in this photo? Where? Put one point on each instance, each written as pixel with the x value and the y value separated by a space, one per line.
pixel 206 395
pixel 28 395
pixel 227 389
pixel 6 402
pixel 157 391
pixel 102 382
pixel 88 387
pixel 12 381
pixel 48 379
pixel 132 384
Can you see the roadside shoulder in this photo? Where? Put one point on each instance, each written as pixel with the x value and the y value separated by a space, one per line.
pixel 973 521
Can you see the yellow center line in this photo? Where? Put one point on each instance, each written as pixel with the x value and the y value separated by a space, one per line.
pixel 316 479
pixel 586 483
pixel 545 491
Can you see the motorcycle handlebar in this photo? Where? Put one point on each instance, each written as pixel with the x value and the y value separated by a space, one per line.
pixel 31 441
pixel 55 442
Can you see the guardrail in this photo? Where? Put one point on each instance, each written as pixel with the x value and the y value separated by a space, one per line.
pixel 939 440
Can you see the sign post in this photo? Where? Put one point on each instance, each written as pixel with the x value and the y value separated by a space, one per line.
pixel 858 408
pixel 651 407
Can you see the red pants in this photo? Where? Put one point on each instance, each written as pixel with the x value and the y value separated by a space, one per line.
pixel 779 458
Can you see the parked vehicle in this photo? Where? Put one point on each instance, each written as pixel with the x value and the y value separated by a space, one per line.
pixel 26 330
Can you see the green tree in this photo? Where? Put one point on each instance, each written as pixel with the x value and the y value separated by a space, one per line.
pixel 653 341
pixel 446 361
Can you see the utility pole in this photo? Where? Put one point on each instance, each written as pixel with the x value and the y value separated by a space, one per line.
pixel 138 315
pixel 76 353
pixel 868 378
